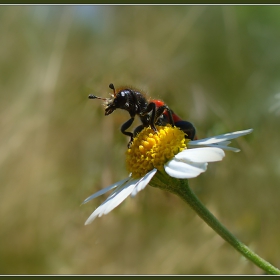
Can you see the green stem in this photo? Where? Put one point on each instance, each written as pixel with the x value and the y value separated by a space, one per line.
pixel 182 189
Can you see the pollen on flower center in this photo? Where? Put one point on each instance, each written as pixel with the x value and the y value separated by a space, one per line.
pixel 151 150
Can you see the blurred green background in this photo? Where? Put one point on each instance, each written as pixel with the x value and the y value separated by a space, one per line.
pixel 217 66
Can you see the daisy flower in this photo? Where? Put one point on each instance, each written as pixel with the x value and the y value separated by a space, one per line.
pixel 165 151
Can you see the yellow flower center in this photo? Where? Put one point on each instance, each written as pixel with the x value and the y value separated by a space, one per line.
pixel 151 150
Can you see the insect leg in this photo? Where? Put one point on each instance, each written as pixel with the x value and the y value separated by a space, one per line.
pixel 188 128
pixel 150 108
pixel 125 126
pixel 160 111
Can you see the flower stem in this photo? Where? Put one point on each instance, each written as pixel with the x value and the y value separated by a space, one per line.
pixel 182 189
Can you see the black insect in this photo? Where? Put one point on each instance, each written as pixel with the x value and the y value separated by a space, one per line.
pixel 150 112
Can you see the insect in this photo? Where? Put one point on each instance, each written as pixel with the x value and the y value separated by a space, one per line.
pixel 151 112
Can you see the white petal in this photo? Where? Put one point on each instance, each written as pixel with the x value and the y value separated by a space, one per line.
pixel 224 147
pixel 182 170
pixel 105 190
pixel 117 197
pixel 225 143
pixel 144 182
pixel 220 138
pixel 201 155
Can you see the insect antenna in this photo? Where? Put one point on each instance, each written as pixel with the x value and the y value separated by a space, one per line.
pixel 91 96
pixel 111 86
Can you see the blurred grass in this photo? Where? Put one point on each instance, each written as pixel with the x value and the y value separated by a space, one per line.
pixel 217 66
